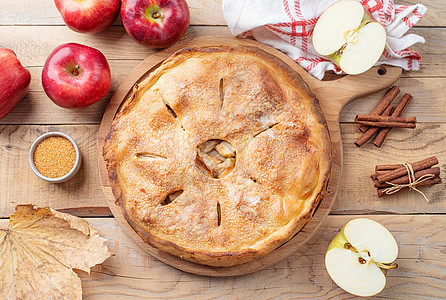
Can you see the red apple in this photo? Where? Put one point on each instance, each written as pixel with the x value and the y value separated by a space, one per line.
pixel 76 76
pixel 155 23
pixel 88 16
pixel 14 81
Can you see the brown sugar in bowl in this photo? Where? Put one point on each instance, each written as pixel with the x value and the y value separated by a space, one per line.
pixel 55 157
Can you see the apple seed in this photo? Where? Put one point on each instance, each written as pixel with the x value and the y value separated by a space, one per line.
pixel 349 246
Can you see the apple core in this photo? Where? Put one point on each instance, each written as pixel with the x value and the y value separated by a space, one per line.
pixel 351 36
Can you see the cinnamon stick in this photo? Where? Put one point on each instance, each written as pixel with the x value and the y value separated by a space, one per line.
pixel 372 118
pixel 417 166
pixel 373 176
pixel 372 130
pixel 382 105
pixel 383 169
pixel 387 167
pixel 400 108
pixel 436 180
pixel 388 124
pixel 405 179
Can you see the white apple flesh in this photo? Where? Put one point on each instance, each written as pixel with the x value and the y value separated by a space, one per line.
pixel 349 36
pixel 360 56
pixel 358 256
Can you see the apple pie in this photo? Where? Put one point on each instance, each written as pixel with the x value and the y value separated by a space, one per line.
pixel 220 156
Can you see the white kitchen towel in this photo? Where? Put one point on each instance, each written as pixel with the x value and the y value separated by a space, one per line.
pixel 288 24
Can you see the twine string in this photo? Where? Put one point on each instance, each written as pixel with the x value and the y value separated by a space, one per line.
pixel 412 182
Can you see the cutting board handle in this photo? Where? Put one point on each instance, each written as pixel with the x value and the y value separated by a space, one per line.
pixel 335 94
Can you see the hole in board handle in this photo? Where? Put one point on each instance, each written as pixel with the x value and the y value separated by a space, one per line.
pixel 382 70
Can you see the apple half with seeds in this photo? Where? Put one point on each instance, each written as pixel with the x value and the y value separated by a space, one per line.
pixel 359 256
pixel 348 35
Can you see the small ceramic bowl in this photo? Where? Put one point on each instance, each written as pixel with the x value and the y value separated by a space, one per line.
pixel 69 175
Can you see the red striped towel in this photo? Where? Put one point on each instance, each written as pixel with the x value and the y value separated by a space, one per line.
pixel 288 24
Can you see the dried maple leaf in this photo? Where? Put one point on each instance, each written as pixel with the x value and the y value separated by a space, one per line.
pixel 39 250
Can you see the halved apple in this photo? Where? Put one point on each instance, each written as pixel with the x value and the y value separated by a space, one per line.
pixel 359 255
pixel 348 35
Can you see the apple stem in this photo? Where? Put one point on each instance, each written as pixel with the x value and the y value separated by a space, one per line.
pixel 387 267
pixel 156 15
pixel 76 70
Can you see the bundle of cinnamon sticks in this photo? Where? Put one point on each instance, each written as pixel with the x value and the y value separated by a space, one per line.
pixel 389 179
pixel 384 117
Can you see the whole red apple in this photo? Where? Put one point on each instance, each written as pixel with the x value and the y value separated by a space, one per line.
pixel 76 76
pixel 88 16
pixel 155 23
pixel 14 81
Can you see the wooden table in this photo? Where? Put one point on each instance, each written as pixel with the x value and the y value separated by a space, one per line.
pixel 33 28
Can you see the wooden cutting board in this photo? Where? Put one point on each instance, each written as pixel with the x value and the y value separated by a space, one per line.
pixel 332 95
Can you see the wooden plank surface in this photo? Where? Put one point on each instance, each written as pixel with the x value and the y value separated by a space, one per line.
pixel 19 185
pixel 203 12
pixel 38 109
pixel 33 44
pixel 427 105
pixel 433 61
pixel 26 12
pixel 356 193
pixel 132 273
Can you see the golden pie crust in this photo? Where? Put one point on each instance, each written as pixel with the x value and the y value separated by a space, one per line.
pixel 220 156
